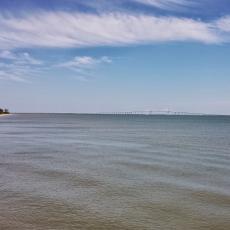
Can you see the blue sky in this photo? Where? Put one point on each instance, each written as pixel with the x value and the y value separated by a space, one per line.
pixel 115 55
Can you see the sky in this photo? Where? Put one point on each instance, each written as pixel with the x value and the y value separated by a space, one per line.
pixel 93 56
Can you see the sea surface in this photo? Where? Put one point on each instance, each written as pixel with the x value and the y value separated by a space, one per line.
pixel 112 172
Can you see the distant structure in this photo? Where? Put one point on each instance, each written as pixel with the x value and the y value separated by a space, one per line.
pixel 154 112
pixel 4 111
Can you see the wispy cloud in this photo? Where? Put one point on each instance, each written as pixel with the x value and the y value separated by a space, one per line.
pixel 7 54
pixel 26 58
pixel 166 4
pixel 22 66
pixel 85 62
pixel 84 66
pixel 19 58
pixel 18 66
pixel 71 29
pixel 224 24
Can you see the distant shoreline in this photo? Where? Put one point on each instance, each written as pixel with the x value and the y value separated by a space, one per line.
pixel 126 114
pixel 3 115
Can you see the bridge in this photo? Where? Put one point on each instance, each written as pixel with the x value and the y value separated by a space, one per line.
pixel 153 112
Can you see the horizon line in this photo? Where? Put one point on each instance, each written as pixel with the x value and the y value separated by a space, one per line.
pixel 128 113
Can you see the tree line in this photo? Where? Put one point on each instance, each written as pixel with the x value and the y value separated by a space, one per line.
pixel 4 111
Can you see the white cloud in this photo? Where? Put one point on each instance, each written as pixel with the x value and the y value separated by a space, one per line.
pixel 20 58
pixel 6 54
pixel 84 66
pixel 166 4
pixel 25 58
pixel 66 29
pixel 85 62
pixel 18 66
pixel 224 24
pixel 22 66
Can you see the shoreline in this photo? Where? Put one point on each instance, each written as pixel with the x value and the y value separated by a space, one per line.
pixel 3 115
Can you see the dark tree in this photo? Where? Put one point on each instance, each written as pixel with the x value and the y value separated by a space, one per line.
pixel 6 111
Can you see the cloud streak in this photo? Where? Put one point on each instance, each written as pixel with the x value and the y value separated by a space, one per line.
pixel 166 4
pixel 20 58
pixel 85 62
pixel 84 66
pixel 18 66
pixel 71 29
pixel 224 24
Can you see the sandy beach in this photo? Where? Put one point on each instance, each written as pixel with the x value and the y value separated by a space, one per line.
pixel 3 115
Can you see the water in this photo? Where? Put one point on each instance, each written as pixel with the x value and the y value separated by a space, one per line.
pixel 114 172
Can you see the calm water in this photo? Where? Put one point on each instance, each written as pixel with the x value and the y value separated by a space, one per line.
pixel 114 172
